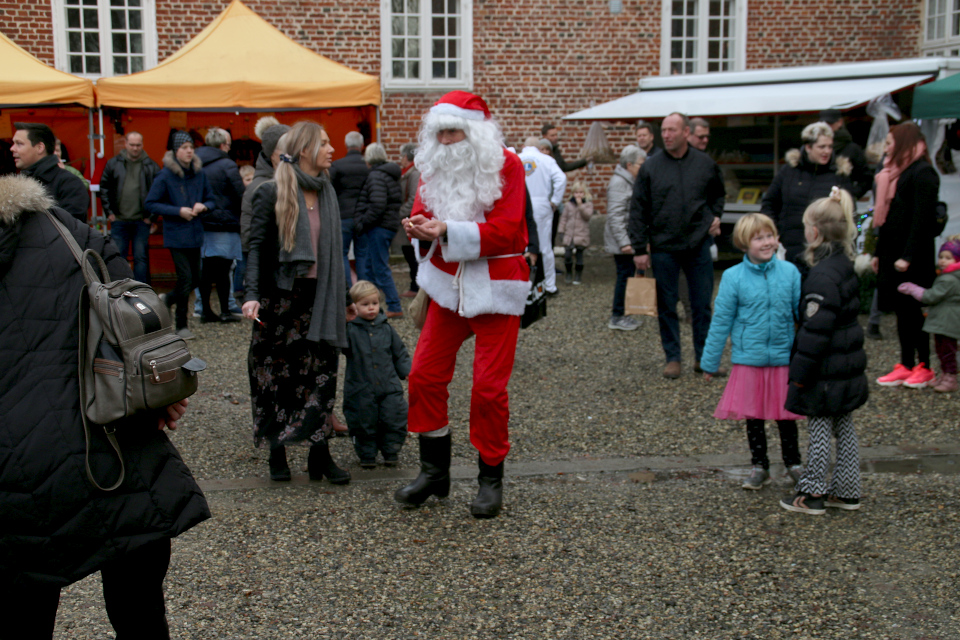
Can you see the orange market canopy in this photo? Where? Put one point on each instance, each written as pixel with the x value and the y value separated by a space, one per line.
pixel 26 81
pixel 241 63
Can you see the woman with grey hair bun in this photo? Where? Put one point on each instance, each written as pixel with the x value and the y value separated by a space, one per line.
pixel 615 238
pixel 810 173
pixel 376 221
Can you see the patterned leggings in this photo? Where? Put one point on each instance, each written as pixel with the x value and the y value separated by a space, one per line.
pixel 846 474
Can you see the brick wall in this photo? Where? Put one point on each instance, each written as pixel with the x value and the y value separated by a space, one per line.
pixel 29 25
pixel 537 61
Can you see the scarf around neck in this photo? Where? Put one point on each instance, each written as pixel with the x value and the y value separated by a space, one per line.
pixel 887 183
pixel 328 321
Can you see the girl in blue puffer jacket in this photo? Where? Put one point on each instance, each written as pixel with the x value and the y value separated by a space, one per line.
pixel 757 307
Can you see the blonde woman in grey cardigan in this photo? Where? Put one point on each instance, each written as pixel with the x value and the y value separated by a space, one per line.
pixel 615 238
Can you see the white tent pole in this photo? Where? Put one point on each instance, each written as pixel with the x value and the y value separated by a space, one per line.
pixel 776 144
pixel 93 158
pixel 102 136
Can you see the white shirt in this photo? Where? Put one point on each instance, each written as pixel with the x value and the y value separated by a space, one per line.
pixel 545 180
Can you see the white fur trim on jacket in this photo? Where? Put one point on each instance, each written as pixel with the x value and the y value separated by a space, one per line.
pixel 481 294
pixel 463 242
pixel 20 194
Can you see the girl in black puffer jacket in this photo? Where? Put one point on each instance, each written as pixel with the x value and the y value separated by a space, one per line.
pixel 376 220
pixel 827 379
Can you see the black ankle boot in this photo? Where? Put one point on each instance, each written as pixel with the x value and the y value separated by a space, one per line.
pixel 578 276
pixel 320 464
pixel 279 470
pixel 434 478
pixel 489 498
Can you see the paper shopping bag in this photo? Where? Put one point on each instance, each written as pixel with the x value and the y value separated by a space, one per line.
pixel 641 298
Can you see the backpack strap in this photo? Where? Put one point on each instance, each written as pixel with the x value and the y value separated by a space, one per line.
pixel 80 256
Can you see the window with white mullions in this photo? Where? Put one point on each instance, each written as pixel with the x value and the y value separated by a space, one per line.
pixel 104 37
pixel 941 33
pixel 426 43
pixel 702 36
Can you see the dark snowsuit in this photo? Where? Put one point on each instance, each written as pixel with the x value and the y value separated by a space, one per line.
pixel 373 401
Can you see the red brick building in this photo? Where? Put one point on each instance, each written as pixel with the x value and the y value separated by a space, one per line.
pixel 533 61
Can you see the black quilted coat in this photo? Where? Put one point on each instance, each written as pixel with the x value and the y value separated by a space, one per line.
pixel 55 527
pixel 380 199
pixel 829 359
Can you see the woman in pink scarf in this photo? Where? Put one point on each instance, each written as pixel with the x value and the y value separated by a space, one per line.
pixel 907 189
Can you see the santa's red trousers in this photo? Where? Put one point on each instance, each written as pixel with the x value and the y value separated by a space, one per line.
pixel 433 364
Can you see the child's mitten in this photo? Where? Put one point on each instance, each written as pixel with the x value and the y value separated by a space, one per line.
pixel 911 289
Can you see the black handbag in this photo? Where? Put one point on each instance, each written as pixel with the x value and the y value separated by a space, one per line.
pixel 537 298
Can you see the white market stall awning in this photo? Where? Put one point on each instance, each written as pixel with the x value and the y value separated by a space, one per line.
pixel 768 91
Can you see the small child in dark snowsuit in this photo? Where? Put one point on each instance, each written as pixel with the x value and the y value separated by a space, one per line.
pixel 373 401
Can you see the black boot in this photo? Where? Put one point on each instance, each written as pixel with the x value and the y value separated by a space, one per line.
pixel 490 496
pixel 568 277
pixel 279 470
pixel 320 464
pixel 434 478
pixel 578 276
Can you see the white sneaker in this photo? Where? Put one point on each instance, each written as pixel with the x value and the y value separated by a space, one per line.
pixel 185 334
pixel 623 323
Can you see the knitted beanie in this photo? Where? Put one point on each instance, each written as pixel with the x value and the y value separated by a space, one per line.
pixel 178 139
pixel 951 246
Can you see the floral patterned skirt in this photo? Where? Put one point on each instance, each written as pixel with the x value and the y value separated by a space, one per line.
pixel 293 381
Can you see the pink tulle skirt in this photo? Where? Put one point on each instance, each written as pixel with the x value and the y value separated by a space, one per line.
pixel 755 393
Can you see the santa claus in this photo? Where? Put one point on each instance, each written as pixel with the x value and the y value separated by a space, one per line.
pixel 469 226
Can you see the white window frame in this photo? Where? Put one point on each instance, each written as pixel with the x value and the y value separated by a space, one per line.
pixel 61 51
pixel 739 36
pixel 949 12
pixel 425 33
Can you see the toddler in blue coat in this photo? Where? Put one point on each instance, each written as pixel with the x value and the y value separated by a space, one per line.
pixel 757 308
pixel 373 401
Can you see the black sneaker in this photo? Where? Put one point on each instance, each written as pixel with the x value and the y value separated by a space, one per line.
pixel 873 331
pixel 804 503
pixel 847 504
pixel 390 461
pixel 368 464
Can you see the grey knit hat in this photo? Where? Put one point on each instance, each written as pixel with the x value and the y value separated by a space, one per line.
pixel 178 139
pixel 271 137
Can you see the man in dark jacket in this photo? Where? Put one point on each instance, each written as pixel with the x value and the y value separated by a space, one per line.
pixel 376 220
pixel 123 201
pixel 646 137
pixel 676 206
pixel 844 146
pixel 32 151
pixel 57 527
pixel 221 226
pixel 347 176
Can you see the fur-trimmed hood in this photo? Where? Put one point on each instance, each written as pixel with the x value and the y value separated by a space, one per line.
pixel 19 194
pixel 170 162
pixel 838 164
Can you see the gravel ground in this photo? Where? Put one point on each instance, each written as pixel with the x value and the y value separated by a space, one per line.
pixel 661 555
pixel 578 390
pixel 573 557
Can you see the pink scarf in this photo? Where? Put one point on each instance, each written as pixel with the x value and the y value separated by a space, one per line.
pixel 886 181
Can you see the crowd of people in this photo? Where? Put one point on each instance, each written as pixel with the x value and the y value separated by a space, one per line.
pixel 473 218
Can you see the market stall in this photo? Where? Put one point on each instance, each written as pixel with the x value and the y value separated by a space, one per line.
pixel 235 70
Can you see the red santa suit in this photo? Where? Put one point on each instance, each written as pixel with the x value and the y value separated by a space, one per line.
pixel 478 282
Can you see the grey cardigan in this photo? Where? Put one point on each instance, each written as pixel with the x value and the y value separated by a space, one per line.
pixel 619 192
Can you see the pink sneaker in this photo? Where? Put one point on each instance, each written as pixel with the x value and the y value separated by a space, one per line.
pixel 919 377
pixel 896 377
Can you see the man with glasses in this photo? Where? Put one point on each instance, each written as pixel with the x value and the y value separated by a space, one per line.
pixel 700 134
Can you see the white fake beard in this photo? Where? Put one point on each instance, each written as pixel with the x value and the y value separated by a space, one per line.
pixel 460 182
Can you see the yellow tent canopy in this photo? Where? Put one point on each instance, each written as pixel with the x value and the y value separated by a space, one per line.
pixel 25 81
pixel 240 62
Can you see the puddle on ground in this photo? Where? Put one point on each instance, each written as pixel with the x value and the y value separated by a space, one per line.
pixel 946 465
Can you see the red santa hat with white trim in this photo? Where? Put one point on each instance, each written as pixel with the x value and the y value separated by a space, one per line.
pixel 462 104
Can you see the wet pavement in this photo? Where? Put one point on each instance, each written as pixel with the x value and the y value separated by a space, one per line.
pixel 623 517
